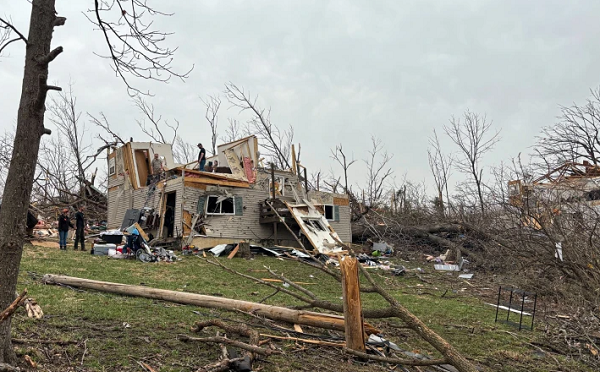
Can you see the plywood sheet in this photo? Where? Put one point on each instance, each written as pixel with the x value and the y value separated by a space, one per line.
pixel 341 201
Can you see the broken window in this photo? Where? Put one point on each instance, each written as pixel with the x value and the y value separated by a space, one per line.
pixel 220 205
pixel 316 225
pixel 329 214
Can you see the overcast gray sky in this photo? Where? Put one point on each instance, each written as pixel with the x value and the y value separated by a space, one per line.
pixel 342 71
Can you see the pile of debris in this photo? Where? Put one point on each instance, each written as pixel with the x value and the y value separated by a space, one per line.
pixel 110 243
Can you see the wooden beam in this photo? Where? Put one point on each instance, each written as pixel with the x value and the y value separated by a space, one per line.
pixel 309 318
pixel 142 232
pixel 294 166
pixel 273 195
pixel 355 334
pixel 199 186
pixel 209 181
pixel 233 252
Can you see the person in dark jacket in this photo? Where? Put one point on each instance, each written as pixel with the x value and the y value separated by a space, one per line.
pixel 63 228
pixel 80 228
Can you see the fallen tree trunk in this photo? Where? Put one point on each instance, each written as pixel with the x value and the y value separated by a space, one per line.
pixel 309 318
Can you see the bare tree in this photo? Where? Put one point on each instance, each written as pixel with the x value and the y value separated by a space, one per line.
pixel 103 123
pixel 213 103
pixel 134 51
pixel 234 131
pixel 378 172
pixel 339 156
pixel 575 137
pixel 440 166
pixel 6 30
pixel 275 142
pixel 154 130
pixel 134 47
pixel 473 138
pixel 184 152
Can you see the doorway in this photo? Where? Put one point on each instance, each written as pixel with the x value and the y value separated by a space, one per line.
pixel 170 204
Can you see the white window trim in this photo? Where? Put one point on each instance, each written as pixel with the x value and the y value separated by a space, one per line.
pixel 218 214
pixel 114 166
pixel 332 212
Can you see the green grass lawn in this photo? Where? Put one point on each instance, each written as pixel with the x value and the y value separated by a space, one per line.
pixel 114 332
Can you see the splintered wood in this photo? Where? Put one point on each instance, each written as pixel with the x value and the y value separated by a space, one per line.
pixel 355 333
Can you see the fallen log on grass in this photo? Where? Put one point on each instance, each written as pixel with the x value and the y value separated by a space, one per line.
pixel 309 318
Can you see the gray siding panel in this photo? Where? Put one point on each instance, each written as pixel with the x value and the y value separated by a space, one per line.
pixel 342 228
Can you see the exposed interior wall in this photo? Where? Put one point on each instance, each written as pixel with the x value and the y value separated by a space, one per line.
pixel 244 147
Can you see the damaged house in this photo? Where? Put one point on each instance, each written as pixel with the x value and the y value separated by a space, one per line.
pixel 572 189
pixel 234 199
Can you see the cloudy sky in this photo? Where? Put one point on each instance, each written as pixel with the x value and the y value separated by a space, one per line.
pixel 343 71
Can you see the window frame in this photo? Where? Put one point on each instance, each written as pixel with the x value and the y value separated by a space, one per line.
pixel 325 206
pixel 112 166
pixel 207 202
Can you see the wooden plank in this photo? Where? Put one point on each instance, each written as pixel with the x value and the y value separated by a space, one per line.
pixel 272 280
pixel 187 222
pixel 163 209
pixel 297 328
pixel 305 340
pixel 294 164
pixel 234 252
pixel 192 231
pixel 210 181
pixel 218 176
pixel 142 232
pixel 237 141
pixel 195 185
pixel 128 164
pixel 355 333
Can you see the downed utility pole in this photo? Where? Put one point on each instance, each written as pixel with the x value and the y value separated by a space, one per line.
pixel 309 318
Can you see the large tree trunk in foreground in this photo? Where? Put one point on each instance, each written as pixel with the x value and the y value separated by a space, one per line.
pixel 30 128
pixel 309 318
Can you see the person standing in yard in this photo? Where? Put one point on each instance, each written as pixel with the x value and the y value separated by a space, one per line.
pixel 80 228
pixel 63 228
pixel 201 157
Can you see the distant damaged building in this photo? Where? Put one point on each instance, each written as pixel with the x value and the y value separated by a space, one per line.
pixel 571 188
pixel 237 198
